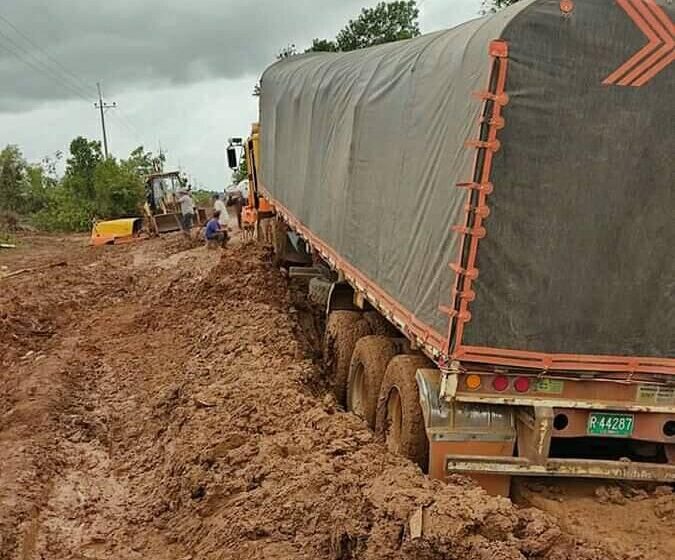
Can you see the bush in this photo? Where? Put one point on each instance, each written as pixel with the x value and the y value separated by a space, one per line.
pixel 7 237
pixel 64 211
pixel 9 220
pixel 92 186
pixel 119 191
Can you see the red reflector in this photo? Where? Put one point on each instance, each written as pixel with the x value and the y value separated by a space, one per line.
pixel 500 383
pixel 522 384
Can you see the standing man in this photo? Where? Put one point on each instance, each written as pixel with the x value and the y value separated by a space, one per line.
pixel 219 206
pixel 187 206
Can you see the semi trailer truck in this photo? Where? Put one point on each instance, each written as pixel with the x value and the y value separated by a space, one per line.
pixel 493 209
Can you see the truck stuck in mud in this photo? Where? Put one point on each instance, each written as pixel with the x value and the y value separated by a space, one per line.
pixel 486 212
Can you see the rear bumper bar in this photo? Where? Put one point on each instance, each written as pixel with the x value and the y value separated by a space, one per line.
pixel 580 468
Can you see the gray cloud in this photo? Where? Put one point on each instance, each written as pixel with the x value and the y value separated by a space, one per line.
pixel 127 43
pixel 181 71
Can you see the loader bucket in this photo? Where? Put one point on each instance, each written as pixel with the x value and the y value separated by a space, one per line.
pixel 164 223
pixel 115 231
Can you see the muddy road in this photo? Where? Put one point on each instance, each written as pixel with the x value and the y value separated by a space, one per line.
pixel 162 401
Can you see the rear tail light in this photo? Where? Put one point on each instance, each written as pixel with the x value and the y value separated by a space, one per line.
pixel 522 384
pixel 473 382
pixel 500 383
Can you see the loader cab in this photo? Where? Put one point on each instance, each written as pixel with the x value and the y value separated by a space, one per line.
pixel 161 191
pixel 161 210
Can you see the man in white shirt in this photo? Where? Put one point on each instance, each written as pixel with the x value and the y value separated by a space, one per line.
pixel 187 206
pixel 219 206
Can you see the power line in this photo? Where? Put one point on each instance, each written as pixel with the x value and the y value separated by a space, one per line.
pixel 123 126
pixel 129 125
pixel 49 57
pixel 39 66
pixel 43 70
pixel 51 68
pixel 45 67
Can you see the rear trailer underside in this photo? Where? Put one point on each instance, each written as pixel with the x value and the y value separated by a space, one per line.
pixel 490 426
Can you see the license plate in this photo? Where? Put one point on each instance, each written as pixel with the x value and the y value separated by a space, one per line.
pixel 608 424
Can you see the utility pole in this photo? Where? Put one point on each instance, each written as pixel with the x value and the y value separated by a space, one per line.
pixel 102 106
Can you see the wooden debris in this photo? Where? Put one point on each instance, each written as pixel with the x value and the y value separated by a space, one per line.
pixel 203 404
pixel 416 524
pixel 34 269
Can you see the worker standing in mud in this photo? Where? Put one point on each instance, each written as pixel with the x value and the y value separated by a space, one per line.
pixel 187 207
pixel 219 206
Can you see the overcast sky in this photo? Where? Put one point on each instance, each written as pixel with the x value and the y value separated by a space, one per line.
pixel 181 72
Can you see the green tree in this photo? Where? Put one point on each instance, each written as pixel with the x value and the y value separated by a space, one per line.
pixel 50 163
pixel 495 5
pixel 64 211
pixel 323 45
pixel 241 173
pixel 143 163
pixel 36 188
pixel 13 175
pixel 385 23
pixel 119 189
pixel 85 157
pixel 93 187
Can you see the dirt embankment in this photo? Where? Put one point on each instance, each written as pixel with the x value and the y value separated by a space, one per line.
pixel 175 411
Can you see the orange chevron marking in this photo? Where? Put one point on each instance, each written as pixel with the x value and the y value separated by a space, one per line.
pixel 656 55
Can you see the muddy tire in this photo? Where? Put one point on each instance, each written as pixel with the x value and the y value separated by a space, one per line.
pixel 366 371
pixel 343 330
pixel 319 291
pixel 279 242
pixel 399 414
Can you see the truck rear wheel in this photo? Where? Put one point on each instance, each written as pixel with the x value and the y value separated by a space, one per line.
pixel 279 242
pixel 343 330
pixel 399 414
pixel 371 356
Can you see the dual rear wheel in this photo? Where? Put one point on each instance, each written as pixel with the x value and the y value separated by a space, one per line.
pixel 399 414
pixel 376 382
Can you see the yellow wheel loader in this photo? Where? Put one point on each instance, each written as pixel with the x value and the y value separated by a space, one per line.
pixel 160 213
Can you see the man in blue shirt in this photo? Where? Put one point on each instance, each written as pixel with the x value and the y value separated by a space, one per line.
pixel 214 231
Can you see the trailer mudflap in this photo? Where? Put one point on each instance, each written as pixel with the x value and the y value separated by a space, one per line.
pixel 579 468
pixel 465 430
